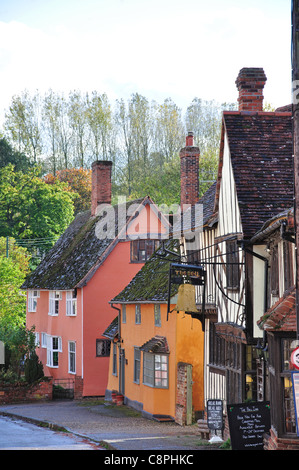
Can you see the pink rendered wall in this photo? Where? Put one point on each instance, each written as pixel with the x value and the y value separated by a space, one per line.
pixel 110 279
pixel 69 328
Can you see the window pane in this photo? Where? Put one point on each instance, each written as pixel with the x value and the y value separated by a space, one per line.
pixel 157 315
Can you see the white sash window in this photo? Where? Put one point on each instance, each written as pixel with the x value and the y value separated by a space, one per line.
pixel 33 295
pixel 71 302
pixel 54 298
pixel 54 346
pixel 72 357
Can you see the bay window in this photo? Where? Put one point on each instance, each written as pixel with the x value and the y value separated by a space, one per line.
pixel 155 370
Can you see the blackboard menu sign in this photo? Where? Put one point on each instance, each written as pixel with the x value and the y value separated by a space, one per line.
pixel 247 424
pixel 215 414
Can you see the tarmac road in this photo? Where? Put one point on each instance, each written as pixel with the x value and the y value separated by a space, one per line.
pixel 113 427
pixel 16 434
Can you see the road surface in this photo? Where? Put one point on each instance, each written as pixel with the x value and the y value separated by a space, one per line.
pixel 20 435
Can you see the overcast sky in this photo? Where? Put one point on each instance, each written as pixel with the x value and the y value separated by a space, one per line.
pixel 159 48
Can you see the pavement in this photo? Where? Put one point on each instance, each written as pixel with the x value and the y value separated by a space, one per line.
pixel 116 428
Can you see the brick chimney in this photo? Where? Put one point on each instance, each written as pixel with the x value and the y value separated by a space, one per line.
pixel 100 184
pixel 189 156
pixel 250 83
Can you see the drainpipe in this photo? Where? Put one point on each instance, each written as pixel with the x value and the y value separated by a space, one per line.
pixel 119 342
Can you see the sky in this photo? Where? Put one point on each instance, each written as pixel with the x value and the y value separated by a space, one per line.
pixel 178 49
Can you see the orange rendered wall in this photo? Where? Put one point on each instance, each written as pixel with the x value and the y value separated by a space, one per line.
pixel 185 340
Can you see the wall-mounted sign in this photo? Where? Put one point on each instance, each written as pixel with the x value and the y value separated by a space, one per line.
pixel 295 381
pixel 180 273
pixel 295 358
pixel 247 424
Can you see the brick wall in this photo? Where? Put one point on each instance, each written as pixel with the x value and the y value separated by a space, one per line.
pixel 250 83
pixel 272 442
pixel 42 390
pixel 101 184
pixel 78 388
pixel 181 394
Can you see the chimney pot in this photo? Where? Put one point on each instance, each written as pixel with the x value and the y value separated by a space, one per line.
pixel 190 139
pixel 250 83
pixel 100 184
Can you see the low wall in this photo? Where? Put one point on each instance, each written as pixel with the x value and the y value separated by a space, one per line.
pixel 272 442
pixel 22 392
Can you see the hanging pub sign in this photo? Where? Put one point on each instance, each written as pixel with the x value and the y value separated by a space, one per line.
pixel 186 273
pixel 187 276
pixel 295 381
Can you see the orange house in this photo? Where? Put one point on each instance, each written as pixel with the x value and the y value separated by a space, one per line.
pixel 156 358
pixel 69 292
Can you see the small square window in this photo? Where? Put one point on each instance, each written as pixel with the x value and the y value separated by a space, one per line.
pixel 103 347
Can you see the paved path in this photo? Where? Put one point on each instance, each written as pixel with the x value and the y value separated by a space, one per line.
pixel 112 426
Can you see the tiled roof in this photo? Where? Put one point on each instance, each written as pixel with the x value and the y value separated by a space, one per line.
pixel 112 330
pixel 260 146
pixel 151 282
pixel 78 253
pixel 282 315
pixel 197 219
pixel 157 344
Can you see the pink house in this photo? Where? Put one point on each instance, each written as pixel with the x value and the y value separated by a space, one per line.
pixel 69 292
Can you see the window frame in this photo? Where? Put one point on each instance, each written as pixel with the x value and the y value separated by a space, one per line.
pixel 232 265
pixel 71 358
pixel 106 347
pixel 54 298
pixel 124 314
pixel 52 349
pixel 157 314
pixel 71 303
pixel 137 314
pixel 142 249
pixel 114 359
pixel 151 371
pixel 137 363
pixel 32 299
